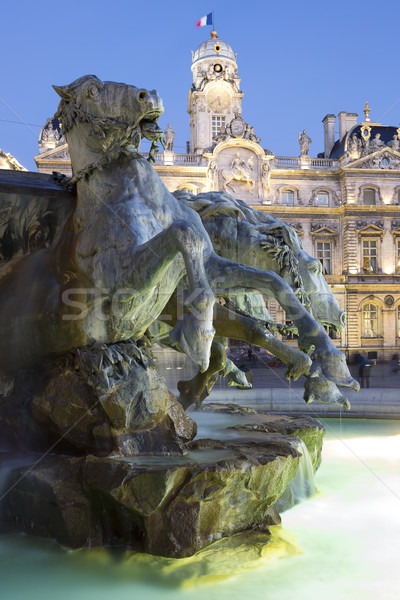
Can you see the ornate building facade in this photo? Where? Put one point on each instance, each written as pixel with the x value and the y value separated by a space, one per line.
pixel 344 203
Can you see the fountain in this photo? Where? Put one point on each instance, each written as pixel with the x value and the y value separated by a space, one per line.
pixel 109 455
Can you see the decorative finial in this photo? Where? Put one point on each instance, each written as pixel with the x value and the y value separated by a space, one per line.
pixel 367 111
pixel 214 34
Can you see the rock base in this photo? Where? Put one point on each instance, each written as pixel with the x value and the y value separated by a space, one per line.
pixel 98 400
pixel 166 507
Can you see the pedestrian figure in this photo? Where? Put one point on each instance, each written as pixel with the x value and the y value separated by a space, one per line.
pixel 394 364
pixel 364 369
pixel 366 374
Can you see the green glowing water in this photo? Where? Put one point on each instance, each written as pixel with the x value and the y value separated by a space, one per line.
pixel 349 535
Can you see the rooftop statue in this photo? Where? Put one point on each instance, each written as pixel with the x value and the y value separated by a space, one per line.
pixel 304 141
pixel 169 134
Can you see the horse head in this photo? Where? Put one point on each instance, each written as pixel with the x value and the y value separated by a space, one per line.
pixel 101 115
pixel 304 274
pixel 324 306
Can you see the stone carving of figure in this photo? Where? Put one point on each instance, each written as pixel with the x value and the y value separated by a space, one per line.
pixel 304 142
pixel 223 134
pixel 266 176
pixel 50 134
pixel 169 138
pixel 354 146
pixel 250 135
pixel 395 143
pixel 238 166
pixel 211 175
pixel 239 171
pixel 376 143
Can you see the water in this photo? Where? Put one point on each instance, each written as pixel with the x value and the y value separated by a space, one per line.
pixel 348 536
pixel 303 485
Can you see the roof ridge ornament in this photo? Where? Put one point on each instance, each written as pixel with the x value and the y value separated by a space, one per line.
pixel 366 111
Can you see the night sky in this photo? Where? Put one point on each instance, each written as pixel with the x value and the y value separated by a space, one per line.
pixel 298 61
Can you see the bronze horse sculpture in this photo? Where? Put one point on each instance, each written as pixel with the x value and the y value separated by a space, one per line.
pixel 267 243
pixel 118 258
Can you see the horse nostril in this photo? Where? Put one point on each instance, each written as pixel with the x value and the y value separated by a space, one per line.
pixel 143 94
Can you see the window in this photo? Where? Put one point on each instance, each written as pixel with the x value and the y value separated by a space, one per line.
pixel 287 198
pixel 369 196
pixel 398 196
pixel 370 319
pixel 324 256
pixel 322 199
pixel 370 256
pixel 217 123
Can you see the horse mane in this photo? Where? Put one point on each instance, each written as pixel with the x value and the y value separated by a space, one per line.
pixel 284 256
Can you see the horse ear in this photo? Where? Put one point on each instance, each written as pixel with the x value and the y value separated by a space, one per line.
pixel 290 237
pixel 64 92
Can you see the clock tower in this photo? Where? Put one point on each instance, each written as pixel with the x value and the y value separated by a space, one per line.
pixel 215 95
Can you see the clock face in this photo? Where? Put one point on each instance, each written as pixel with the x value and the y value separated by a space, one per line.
pixel 218 98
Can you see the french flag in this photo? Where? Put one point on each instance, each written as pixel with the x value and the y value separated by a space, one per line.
pixel 207 20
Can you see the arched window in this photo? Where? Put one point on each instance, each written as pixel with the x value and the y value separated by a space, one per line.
pixel 398 196
pixel 369 196
pixel 370 321
pixel 287 197
pixel 322 199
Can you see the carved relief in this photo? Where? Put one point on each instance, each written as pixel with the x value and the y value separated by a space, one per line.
pixel 328 227
pixel 240 170
pixel 238 128
pixel 237 171
pixel 370 228
pixel 385 160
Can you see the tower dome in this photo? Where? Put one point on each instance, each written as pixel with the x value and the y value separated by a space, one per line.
pixel 213 48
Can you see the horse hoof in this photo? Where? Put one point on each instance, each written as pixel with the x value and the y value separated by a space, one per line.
pixel 301 366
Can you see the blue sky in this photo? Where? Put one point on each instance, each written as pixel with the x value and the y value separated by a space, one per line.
pixel 298 61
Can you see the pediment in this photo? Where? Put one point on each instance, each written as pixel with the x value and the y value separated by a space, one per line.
pixel 373 229
pixel 323 230
pixel 60 153
pixel 383 159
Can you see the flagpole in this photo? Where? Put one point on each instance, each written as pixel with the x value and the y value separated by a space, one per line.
pixel 213 26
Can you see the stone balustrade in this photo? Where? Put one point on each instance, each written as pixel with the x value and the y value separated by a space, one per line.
pixel 170 158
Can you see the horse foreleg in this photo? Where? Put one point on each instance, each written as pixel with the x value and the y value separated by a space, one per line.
pixel 228 279
pixel 240 327
pixel 193 333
